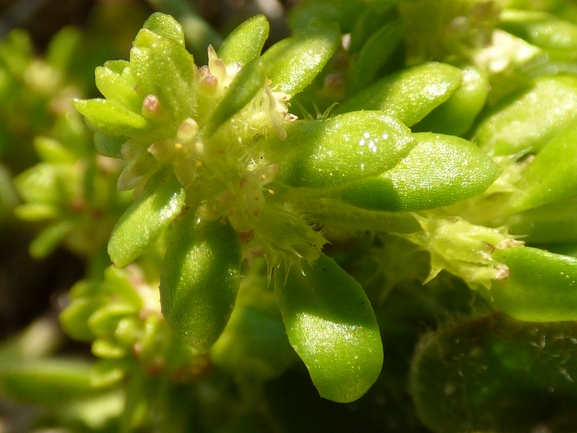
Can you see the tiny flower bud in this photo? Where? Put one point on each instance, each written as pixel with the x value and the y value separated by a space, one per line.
pixel 187 131
pixel 208 85
pixel 151 107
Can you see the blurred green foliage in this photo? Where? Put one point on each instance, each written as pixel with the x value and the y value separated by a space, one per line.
pixel 379 209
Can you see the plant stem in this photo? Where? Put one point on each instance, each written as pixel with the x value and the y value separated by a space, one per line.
pixel 335 213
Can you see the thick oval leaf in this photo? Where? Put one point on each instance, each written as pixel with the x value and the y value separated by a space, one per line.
pixel 410 94
pixel 146 218
pixel 200 279
pixel 293 63
pixel 456 115
pixel 166 70
pixel 552 175
pixel 439 170
pixel 37 212
pixel 557 37
pixel 74 318
pixel 337 150
pixel 107 145
pixel 343 12
pixel 104 321
pixel 370 21
pixel 245 43
pixel 166 26
pixel 111 117
pixel 332 327
pixel 374 54
pixel 541 287
pixel 118 87
pixel 552 223
pixel 525 122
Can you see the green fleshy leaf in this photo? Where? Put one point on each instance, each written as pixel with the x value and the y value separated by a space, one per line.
pixel 439 170
pixel 107 145
pixel 525 122
pixel 47 382
pixel 329 152
pixel 110 117
pixel 384 42
pixel 47 183
pixel 166 26
pixel 456 115
pixel 62 48
pixel 109 372
pixel 119 87
pixel 107 349
pixel 49 238
pixel 53 151
pixel 103 322
pixel 245 43
pixel 557 37
pixel 118 285
pixel 74 318
pixel 200 279
pixel 245 86
pixel 369 22
pixel 331 325
pixel 552 223
pixel 409 94
pixel 165 70
pixel 146 218
pixel 551 175
pixel 293 63
pixel 119 67
pixel 37 212
pixel 343 12
pixel 541 286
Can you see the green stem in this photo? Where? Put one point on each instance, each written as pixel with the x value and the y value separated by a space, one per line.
pixel 334 214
